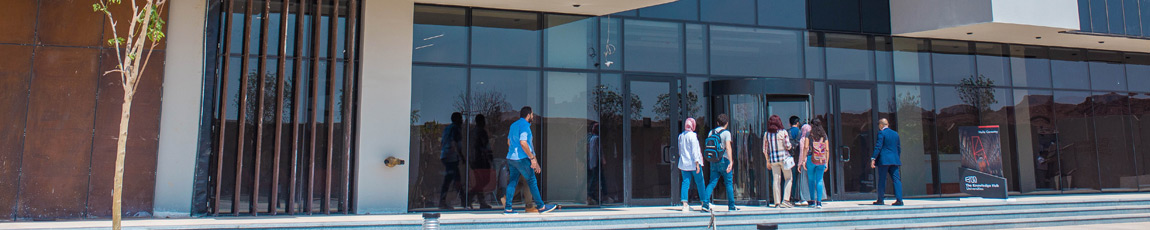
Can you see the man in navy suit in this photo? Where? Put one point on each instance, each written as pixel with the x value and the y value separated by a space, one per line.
pixel 886 153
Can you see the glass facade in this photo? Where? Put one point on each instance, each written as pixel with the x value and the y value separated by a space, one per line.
pixel 1070 118
pixel 1118 17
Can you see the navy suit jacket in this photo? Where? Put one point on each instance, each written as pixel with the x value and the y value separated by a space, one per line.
pixel 887 148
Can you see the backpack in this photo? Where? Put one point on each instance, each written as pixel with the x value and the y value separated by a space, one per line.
pixel 794 138
pixel 713 146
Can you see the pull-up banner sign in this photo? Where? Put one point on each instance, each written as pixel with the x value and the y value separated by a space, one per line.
pixel 981 170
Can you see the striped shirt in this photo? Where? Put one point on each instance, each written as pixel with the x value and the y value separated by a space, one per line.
pixel 775 145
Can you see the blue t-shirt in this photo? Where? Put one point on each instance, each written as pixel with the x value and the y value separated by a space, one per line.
pixel 795 131
pixel 520 130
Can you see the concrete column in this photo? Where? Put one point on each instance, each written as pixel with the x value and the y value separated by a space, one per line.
pixel 179 121
pixel 385 106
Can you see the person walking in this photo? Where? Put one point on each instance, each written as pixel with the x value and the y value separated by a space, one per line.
pixel 776 143
pixel 521 162
pixel 451 152
pixel 799 150
pixel 480 163
pixel 886 158
pixel 723 167
pixel 816 164
pixel 690 163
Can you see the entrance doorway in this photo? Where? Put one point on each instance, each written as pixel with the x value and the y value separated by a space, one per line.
pixel 650 126
pixel 853 129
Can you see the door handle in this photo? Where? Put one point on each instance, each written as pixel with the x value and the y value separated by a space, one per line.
pixel 845 156
pixel 667 157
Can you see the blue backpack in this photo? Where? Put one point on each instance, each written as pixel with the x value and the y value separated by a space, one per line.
pixel 713 146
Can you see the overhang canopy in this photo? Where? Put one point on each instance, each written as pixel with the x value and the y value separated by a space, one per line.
pixel 584 7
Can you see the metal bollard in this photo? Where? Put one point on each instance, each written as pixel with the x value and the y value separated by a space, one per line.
pixel 430 221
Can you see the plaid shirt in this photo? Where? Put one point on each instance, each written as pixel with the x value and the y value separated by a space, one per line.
pixel 778 152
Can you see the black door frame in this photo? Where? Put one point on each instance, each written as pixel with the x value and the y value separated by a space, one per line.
pixel 840 148
pixel 675 84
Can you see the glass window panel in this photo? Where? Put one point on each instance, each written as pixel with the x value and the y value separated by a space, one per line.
pixel 953 112
pixel 293 9
pixel 696 48
pixel 1076 153
pixel 1107 71
pixel 681 9
pixel 1114 15
pixel 744 51
pixel 814 55
pixel 273 30
pixel 341 33
pixel 571 139
pixel 324 28
pixel 953 61
pixel 1084 15
pixel 653 46
pixel 1098 17
pixel 993 63
pixel 498 93
pixel 848 57
pixel 256 25
pixel 1068 68
pixel 237 32
pixel 610 42
pixel 783 13
pixel 632 13
pixel 875 16
pixel 914 121
pixel 608 97
pixel 884 59
pixel 571 41
pixel 1112 120
pixel 437 93
pixel 834 15
pixel 439 34
pixel 996 109
pixel 911 60
pixel 504 38
pixel 1140 108
pixel 1145 13
pixel 1029 66
pixel 1138 72
pixel 1133 24
pixel 1037 140
pixel 728 11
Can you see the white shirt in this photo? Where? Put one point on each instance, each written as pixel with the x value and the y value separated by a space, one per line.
pixel 689 153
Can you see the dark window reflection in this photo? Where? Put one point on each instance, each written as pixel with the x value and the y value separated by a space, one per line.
pixel 813 51
pixel 571 41
pixel 836 15
pixel 572 140
pixel 1107 71
pixel 913 58
pixel 1133 25
pixel 993 63
pixel 498 95
pixel 1068 68
pixel 654 46
pixel 851 58
pixel 1030 66
pixel 743 51
pixel 440 34
pixel 1138 71
pixel 783 13
pixel 1114 16
pixel 1076 150
pixel 883 58
pixel 953 61
pixel 608 96
pixel 1112 120
pixel 1084 15
pixel 1140 108
pixel 505 38
pixel 696 48
pixel 1098 17
pixel 728 11
pixel 681 9
pixel 437 93
pixel 914 121
pixel 1037 139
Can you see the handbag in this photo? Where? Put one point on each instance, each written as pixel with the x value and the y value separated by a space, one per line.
pixel 788 163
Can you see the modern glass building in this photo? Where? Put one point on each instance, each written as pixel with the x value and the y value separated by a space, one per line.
pixel 273 107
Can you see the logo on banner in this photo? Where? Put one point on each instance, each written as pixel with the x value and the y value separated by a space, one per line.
pixel 981 150
pixel 971 179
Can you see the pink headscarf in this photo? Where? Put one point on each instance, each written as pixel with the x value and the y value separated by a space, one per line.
pixel 689 125
pixel 806 130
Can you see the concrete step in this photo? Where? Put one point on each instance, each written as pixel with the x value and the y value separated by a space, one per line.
pixel 864 221
pixel 1016 223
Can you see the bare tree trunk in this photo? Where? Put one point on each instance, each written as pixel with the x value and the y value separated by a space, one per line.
pixel 121 151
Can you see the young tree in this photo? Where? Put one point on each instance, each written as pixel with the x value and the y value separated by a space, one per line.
pixel 145 30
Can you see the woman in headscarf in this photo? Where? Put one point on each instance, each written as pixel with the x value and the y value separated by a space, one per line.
pixel 690 162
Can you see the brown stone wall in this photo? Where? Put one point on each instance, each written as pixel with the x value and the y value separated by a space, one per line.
pixel 59 114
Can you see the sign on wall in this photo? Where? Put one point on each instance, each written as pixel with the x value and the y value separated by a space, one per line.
pixel 981 170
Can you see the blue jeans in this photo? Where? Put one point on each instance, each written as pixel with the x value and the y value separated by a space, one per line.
pixel 689 176
pixel 719 169
pixel 815 180
pixel 895 177
pixel 515 169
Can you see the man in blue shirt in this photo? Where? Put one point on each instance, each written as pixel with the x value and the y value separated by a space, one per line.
pixel 521 161
pixel 886 153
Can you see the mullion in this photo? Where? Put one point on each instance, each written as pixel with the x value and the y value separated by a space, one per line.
pixel 274 196
pixel 314 87
pixel 261 69
pixel 296 102
pixel 222 102
pixel 242 111
pixel 349 45
pixel 333 21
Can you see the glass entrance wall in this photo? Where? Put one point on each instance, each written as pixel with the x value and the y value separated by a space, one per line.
pixel 1040 96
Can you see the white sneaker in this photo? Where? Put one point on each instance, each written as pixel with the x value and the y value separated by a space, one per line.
pixel 686 208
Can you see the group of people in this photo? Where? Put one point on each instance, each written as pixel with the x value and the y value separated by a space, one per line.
pixel 804 148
